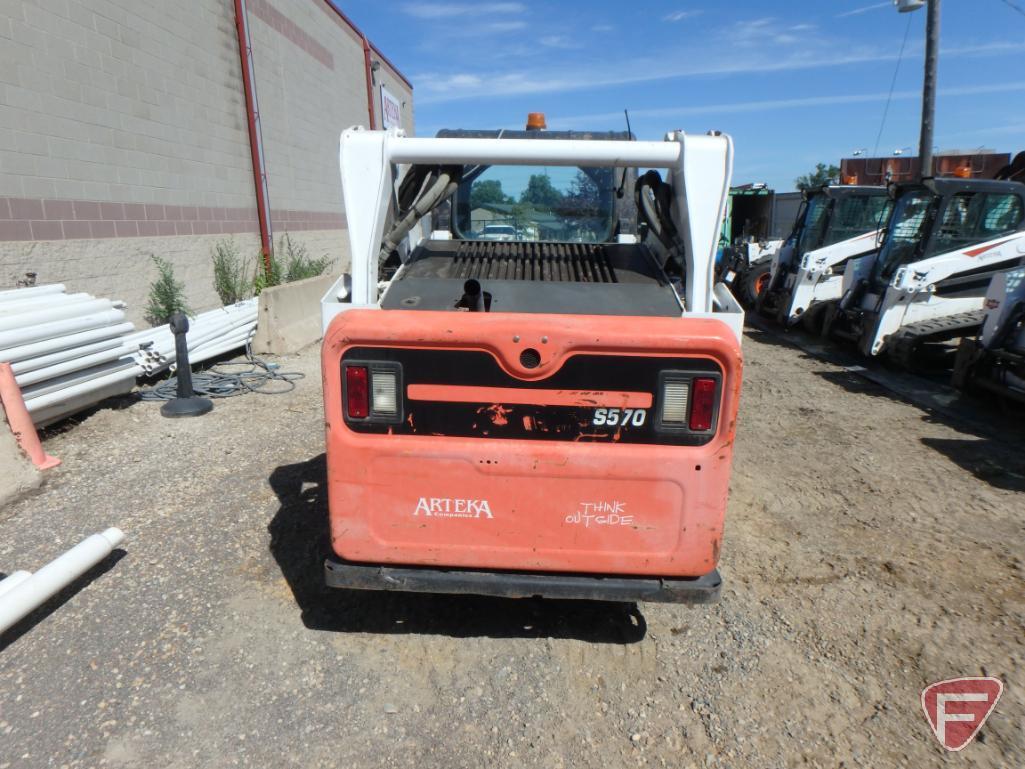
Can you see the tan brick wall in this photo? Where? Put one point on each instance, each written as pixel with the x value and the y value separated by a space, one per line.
pixel 305 100
pixel 123 100
pixel 123 133
pixel 123 268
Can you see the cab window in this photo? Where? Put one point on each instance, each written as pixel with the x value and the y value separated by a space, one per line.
pixel 525 203
pixel 975 217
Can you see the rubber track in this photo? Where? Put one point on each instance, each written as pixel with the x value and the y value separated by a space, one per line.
pixel 902 345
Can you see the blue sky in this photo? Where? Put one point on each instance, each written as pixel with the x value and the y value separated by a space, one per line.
pixel 794 82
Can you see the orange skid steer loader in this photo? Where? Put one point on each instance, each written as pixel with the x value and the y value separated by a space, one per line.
pixel 546 411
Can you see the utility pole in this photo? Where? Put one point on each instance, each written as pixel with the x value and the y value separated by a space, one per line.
pixel 932 45
pixel 932 53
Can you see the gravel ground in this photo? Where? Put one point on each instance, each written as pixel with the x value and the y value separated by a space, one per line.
pixel 871 548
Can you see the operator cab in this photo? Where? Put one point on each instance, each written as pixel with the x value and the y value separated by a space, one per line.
pixel 941 216
pixel 524 238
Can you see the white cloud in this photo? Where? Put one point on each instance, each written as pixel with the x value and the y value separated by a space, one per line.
pixel 495 26
pixel 767 31
pixel 558 41
pixel 864 9
pixel 768 105
pixel 681 15
pixel 434 88
pixel 450 10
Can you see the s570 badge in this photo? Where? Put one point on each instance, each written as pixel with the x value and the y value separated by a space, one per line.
pixel 619 417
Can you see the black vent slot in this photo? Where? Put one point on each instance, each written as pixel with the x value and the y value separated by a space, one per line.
pixel 556 262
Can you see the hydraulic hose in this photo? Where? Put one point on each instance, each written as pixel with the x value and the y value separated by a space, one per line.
pixel 442 183
pixel 654 202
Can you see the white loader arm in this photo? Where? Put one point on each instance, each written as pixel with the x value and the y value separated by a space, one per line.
pixel 699 170
pixel 918 276
pixel 817 281
pixel 911 295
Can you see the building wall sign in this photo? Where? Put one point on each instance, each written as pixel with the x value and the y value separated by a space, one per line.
pixel 391 110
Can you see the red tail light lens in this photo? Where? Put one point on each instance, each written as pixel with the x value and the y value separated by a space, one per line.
pixel 702 407
pixel 357 393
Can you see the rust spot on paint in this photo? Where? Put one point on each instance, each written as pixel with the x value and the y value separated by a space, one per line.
pixel 716 545
pixel 497 413
pixel 582 436
pixel 528 423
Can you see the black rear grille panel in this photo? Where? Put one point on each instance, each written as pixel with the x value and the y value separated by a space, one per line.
pixel 545 277
pixel 561 262
pixel 487 260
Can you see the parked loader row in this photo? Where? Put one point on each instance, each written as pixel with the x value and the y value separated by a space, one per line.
pixel 907 271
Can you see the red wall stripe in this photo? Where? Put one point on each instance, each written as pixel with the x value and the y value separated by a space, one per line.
pixel 288 29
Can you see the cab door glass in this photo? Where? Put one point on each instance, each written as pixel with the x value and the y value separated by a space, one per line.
pixel 975 217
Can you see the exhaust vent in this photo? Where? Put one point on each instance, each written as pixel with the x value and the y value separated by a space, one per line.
pixel 556 262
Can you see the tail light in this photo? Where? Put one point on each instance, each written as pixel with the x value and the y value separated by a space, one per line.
pixel 357 400
pixel 688 402
pixel 385 391
pixel 702 405
pixel 372 391
pixel 675 397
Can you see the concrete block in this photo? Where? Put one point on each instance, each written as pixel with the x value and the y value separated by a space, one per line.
pixel 289 315
pixel 18 476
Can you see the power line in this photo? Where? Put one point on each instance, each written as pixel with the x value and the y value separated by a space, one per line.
pixel 1014 6
pixel 893 84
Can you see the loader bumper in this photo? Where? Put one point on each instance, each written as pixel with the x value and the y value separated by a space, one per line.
pixel 518 584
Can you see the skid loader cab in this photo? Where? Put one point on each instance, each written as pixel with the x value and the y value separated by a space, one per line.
pixel 945 216
pixel 837 223
pixel 994 360
pixel 943 243
pixel 548 415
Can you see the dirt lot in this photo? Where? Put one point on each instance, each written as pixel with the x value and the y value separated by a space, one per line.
pixel 871 548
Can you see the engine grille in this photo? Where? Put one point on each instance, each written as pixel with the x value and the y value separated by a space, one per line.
pixel 557 262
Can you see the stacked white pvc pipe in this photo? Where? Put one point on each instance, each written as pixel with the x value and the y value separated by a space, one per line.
pixel 70 351
pixel 210 334
pixel 21 592
pixel 67 351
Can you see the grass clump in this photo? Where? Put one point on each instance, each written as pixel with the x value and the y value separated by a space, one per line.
pixel 232 279
pixel 166 294
pixel 295 264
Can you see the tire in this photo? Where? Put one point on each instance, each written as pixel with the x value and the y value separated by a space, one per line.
pixel 756 280
pixel 829 313
pixel 814 318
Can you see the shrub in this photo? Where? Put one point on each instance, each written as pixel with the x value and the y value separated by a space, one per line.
pixel 166 294
pixel 298 263
pixel 265 278
pixel 231 273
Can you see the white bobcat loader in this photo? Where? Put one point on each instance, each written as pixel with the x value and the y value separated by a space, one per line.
pixel 995 359
pixel 945 240
pixel 835 224
pixel 745 244
pixel 547 416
